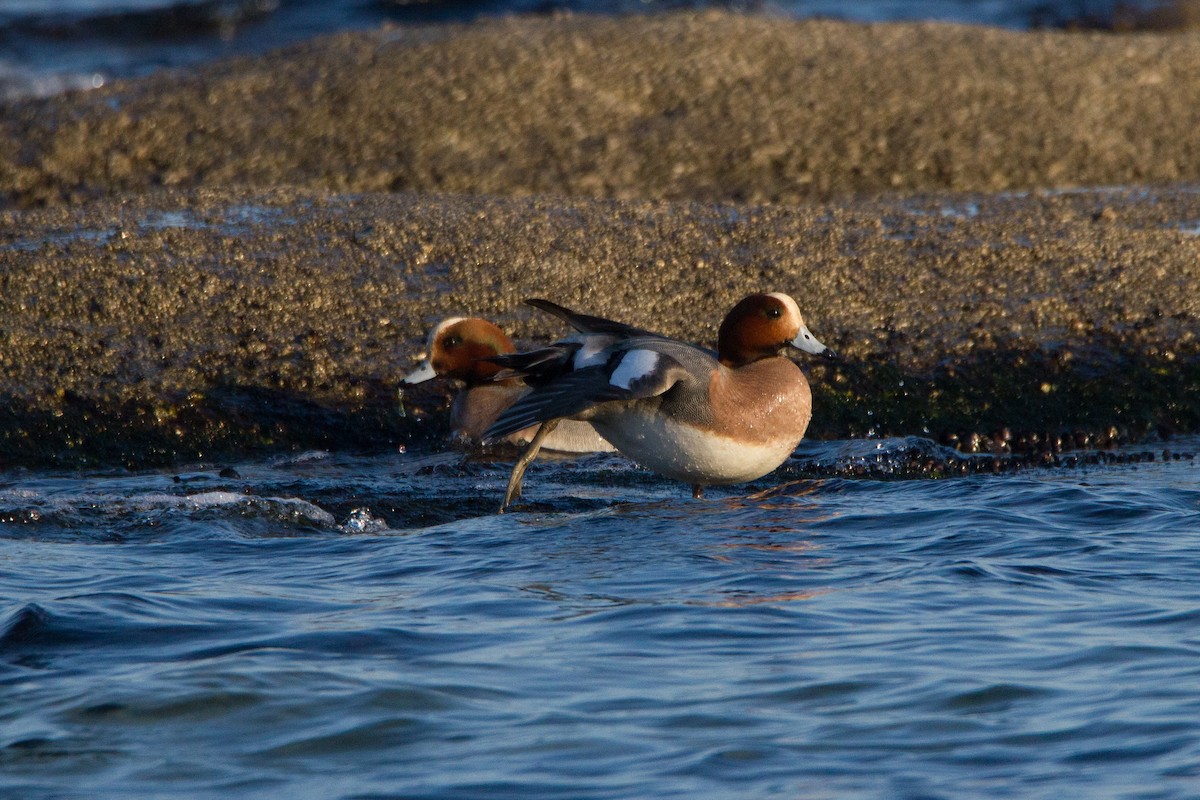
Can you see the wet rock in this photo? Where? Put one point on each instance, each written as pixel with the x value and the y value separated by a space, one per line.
pixel 265 323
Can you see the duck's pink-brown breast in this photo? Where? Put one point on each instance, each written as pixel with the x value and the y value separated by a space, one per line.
pixel 763 402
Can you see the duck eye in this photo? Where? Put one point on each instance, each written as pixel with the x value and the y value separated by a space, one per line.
pixel 452 341
pixel 774 313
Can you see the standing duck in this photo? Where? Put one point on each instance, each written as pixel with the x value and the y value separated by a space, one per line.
pixel 682 411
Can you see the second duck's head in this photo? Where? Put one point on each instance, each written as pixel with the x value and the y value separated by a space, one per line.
pixel 457 348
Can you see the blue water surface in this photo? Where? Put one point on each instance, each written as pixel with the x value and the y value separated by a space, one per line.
pixel 335 626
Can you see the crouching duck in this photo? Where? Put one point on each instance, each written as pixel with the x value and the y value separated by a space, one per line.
pixel 458 348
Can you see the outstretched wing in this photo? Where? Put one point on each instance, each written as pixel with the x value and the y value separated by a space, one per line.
pixel 591 346
pixel 631 372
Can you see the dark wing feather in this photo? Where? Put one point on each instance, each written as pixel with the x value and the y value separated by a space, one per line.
pixel 575 392
pixel 585 323
pixel 537 366
pixel 571 394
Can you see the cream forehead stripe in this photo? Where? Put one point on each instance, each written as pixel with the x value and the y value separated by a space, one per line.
pixel 635 365
pixel 790 304
pixel 436 332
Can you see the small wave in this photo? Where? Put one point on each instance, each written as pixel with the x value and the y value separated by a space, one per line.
pixel 905 457
pixel 62 46
pixel 17 82
pixel 291 510
pixel 306 457
pixel 361 521
pixel 26 625
pixel 918 457
pixel 141 20
pixel 120 516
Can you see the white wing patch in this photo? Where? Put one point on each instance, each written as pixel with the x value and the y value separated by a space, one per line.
pixel 593 350
pixel 635 365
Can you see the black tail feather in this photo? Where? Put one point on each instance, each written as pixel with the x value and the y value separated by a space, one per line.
pixel 585 323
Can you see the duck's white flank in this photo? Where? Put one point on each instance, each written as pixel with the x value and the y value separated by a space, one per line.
pixel 687 454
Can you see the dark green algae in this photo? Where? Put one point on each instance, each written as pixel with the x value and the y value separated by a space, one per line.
pixel 179 326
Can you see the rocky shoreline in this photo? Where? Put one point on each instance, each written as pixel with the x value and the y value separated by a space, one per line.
pixel 248 257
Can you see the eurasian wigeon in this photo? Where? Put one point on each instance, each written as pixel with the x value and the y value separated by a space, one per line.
pixel 687 413
pixel 458 348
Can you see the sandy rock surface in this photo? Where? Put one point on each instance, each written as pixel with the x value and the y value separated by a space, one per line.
pixel 325 204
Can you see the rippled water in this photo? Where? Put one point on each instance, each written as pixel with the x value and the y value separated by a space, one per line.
pixel 331 626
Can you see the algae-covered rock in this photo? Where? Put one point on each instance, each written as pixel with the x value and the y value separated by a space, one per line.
pixel 714 106
pixel 171 326
pixel 248 255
